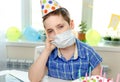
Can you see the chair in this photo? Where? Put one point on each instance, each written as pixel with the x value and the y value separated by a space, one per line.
pixel 38 51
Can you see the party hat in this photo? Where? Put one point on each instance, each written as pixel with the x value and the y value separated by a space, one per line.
pixel 48 6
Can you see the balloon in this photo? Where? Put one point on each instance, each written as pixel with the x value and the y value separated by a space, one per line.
pixel 13 34
pixel 42 35
pixel 92 37
pixel 31 34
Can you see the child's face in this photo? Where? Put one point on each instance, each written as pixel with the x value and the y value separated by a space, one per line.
pixel 55 24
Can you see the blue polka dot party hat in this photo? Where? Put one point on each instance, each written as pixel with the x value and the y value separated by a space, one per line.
pixel 48 6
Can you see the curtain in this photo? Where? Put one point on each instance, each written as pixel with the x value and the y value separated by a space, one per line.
pixel 2 51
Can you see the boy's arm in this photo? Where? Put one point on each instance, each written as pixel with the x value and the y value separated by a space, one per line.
pixel 38 68
pixel 96 70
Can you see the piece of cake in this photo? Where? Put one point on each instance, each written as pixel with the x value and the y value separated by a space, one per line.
pixel 95 78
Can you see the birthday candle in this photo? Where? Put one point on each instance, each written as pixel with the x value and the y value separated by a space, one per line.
pixel 101 71
pixel 90 72
pixel 86 77
pixel 117 79
pixel 79 75
pixel 104 76
pixel 112 80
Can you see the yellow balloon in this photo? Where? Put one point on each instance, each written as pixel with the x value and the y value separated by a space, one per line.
pixel 13 34
pixel 93 37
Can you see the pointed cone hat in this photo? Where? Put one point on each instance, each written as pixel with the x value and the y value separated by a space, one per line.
pixel 48 6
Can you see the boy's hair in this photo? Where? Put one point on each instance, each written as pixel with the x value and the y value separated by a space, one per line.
pixel 61 11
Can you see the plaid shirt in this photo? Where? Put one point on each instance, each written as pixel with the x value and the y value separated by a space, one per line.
pixel 84 58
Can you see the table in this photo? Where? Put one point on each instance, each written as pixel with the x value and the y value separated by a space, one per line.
pixel 51 79
pixel 13 76
pixel 22 76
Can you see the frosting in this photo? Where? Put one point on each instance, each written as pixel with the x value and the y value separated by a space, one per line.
pixel 95 78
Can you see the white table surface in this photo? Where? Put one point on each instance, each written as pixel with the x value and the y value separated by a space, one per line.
pixel 50 79
pixel 24 76
pixel 19 74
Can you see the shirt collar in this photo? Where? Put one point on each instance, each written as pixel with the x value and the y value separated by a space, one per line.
pixel 75 53
pixel 55 52
pixel 80 48
pixel 59 55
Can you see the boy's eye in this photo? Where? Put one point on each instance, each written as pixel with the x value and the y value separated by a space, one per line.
pixel 61 26
pixel 49 31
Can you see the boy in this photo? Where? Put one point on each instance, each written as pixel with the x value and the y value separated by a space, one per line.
pixel 64 56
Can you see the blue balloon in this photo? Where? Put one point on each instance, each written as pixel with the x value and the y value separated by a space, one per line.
pixel 42 35
pixel 31 34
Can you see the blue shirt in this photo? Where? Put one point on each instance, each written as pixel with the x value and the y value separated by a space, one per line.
pixel 59 67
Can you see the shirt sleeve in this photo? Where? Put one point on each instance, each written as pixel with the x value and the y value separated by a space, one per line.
pixel 94 59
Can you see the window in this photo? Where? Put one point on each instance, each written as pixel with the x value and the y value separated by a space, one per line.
pixel 102 12
pixel 10 14
pixel 36 15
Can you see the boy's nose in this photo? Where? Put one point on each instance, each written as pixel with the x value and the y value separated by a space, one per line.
pixel 56 32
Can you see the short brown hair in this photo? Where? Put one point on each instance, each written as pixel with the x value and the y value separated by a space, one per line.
pixel 61 11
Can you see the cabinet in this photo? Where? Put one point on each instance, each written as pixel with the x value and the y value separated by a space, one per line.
pixel 111 57
pixel 22 50
pixel 20 56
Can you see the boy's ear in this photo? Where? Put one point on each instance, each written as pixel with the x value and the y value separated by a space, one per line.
pixel 71 24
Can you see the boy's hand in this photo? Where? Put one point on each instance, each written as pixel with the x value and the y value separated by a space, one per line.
pixel 48 45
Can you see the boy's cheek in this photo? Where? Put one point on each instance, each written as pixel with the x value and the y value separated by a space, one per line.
pixel 50 38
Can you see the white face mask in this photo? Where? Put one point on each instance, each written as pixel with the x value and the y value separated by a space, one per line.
pixel 64 39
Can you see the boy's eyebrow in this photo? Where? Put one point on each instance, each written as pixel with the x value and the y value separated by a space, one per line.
pixel 60 24
pixel 55 26
pixel 49 29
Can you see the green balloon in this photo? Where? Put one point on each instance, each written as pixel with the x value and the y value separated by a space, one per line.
pixel 93 37
pixel 13 34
